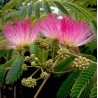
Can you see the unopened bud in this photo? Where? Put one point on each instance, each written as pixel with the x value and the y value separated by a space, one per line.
pixel 24 67
pixel 43 74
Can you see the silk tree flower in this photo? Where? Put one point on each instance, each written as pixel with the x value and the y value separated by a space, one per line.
pixel 67 31
pixel 51 27
pixel 75 33
pixel 21 33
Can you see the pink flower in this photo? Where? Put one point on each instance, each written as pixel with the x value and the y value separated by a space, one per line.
pixel 21 33
pixel 51 27
pixel 67 31
pixel 75 33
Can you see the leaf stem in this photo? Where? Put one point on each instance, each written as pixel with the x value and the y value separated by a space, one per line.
pixel 62 72
pixel 35 72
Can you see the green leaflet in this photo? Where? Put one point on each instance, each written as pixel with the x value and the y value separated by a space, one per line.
pixel 80 10
pixel 23 12
pixel 15 71
pixel 9 5
pixel 35 49
pixel 64 65
pixel 2 72
pixel 46 7
pixel 61 7
pixel 19 2
pixel 30 9
pixel 93 24
pixel 37 9
pixel 9 63
pixel 3 53
pixel 64 90
pixel 94 92
pixel 86 91
pixel 82 80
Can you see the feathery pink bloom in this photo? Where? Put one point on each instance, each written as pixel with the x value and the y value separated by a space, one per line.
pixel 21 33
pixel 75 33
pixel 67 31
pixel 51 27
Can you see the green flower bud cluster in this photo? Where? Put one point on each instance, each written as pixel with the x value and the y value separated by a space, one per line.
pixel 29 82
pixel 42 42
pixel 81 62
pixel 35 60
pixel 24 67
pixel 22 49
pixel 49 62
pixel 63 53
pixel 43 74
pixel 38 40
pixel 28 59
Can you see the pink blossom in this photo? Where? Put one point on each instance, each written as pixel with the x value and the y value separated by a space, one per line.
pixel 67 31
pixel 21 33
pixel 75 33
pixel 51 26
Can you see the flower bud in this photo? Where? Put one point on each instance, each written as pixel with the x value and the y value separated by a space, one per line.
pixel 33 64
pixel 38 40
pixel 43 74
pixel 27 58
pixel 81 62
pixel 24 67
pixel 32 56
pixel 29 82
pixel 49 62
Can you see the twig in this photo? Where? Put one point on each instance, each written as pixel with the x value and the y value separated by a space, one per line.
pixel 35 72
pixel 43 83
pixel 14 91
pixel 62 72
pixel 0 93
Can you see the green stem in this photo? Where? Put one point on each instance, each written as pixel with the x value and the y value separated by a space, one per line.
pixel 56 62
pixel 35 72
pixel 43 57
pixel 38 78
pixel 62 72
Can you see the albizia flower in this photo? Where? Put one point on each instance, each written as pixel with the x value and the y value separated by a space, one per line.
pixel 67 31
pixel 21 33
pixel 51 27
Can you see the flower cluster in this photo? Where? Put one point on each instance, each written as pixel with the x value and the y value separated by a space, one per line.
pixel 63 53
pixel 67 31
pixel 24 67
pixel 29 82
pixel 21 33
pixel 81 62
pixel 43 74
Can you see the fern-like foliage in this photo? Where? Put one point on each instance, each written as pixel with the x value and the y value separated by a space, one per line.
pixel 64 65
pixel 66 86
pixel 15 71
pixel 8 63
pixel 35 49
pixel 83 80
pixel 86 91
pixel 2 72
pixel 94 92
